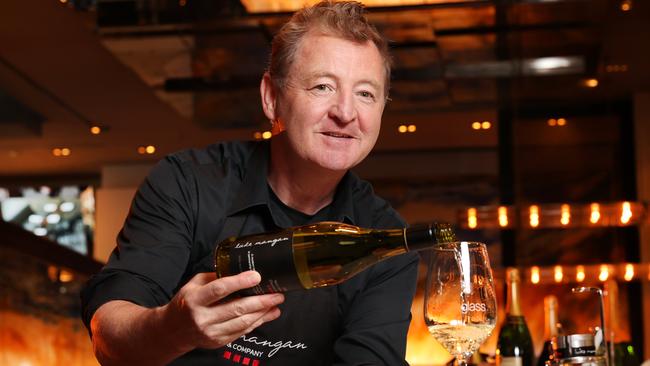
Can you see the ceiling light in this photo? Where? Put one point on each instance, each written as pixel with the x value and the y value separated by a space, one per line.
pixel 63 151
pixel 411 128
pixel 266 135
pixel 561 121
pixel 257 135
pixel 486 125
pixel 626 5
pixel 552 122
pixel 550 63
pixel 95 130
pixel 402 128
pixel 476 125
pixel 149 149
pixel 591 83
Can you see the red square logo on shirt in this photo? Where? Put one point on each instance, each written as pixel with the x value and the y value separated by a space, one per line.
pixel 227 355
pixel 256 363
pixel 246 361
pixel 236 358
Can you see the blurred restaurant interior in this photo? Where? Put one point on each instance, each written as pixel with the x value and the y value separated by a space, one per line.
pixel 523 122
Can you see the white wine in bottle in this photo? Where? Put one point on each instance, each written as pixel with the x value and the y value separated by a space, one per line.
pixel 514 346
pixel 320 254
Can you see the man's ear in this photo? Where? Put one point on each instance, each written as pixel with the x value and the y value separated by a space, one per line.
pixel 269 97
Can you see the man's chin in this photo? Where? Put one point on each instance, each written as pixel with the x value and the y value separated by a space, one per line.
pixel 336 163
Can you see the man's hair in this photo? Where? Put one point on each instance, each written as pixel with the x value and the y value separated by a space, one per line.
pixel 345 19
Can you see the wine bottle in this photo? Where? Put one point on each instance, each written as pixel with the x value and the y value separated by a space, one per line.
pixel 320 254
pixel 550 329
pixel 514 345
pixel 621 349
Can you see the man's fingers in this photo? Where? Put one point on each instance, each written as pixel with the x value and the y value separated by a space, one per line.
pixel 234 328
pixel 203 278
pixel 222 287
pixel 248 305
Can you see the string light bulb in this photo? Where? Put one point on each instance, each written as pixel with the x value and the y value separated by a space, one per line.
pixel 503 216
pixel 580 273
pixel 626 212
pixel 534 215
pixel 558 274
pixel 594 215
pixel 604 273
pixel 565 217
pixel 472 220
pixel 534 275
pixel 629 272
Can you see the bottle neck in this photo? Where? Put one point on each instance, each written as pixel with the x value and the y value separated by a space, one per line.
pixel 550 317
pixel 426 236
pixel 513 308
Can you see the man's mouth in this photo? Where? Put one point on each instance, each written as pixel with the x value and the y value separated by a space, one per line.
pixel 337 135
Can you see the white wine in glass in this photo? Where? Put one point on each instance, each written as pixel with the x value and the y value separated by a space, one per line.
pixel 460 307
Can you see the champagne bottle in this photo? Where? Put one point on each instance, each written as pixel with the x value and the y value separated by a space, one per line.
pixel 550 329
pixel 514 346
pixel 621 349
pixel 321 254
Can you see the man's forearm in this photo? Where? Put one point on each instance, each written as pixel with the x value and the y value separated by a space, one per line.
pixel 126 333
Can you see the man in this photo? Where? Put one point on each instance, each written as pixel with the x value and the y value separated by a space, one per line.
pixel 157 301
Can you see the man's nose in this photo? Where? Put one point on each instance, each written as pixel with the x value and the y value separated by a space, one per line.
pixel 344 109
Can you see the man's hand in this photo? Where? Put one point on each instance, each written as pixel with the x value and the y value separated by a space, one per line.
pixel 199 316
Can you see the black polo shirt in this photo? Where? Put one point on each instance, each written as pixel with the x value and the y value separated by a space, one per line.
pixel 196 198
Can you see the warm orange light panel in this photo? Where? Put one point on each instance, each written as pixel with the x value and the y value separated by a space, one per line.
pixel 256 6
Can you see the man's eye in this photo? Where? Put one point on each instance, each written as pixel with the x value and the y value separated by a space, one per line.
pixel 321 87
pixel 367 94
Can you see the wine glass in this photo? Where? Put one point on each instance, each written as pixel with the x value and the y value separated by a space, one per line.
pixel 460 306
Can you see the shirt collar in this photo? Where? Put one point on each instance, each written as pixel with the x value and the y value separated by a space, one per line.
pixel 254 192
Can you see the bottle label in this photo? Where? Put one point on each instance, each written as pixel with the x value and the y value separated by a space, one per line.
pixel 272 257
pixel 510 361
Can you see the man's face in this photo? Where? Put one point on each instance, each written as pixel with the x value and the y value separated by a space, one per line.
pixel 332 104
